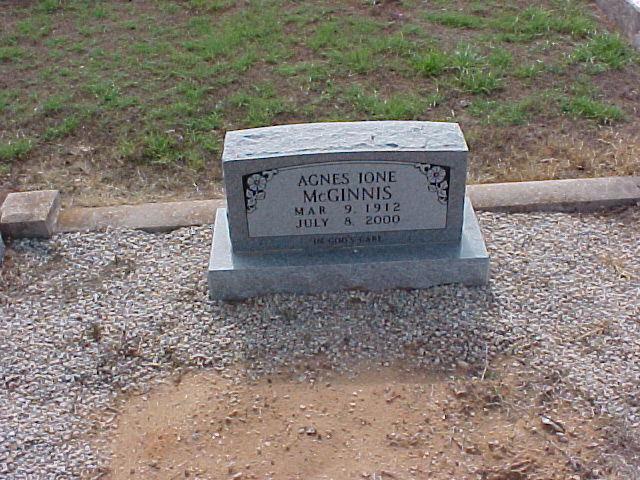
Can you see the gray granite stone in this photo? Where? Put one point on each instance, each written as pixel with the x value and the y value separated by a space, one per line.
pixel 30 214
pixel 317 186
pixel 237 275
pixel 1 250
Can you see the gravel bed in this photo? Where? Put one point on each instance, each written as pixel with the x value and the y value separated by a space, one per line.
pixel 85 317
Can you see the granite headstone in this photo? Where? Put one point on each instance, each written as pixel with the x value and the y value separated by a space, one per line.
pixel 329 206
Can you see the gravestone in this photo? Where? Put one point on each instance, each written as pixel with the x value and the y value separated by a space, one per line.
pixel 332 206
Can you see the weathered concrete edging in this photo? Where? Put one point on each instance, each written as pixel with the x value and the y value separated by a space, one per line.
pixel 576 195
pixel 626 14
pixel 151 217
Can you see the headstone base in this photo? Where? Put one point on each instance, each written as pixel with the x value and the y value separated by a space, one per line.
pixel 239 276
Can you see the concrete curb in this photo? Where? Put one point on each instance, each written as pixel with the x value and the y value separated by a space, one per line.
pixel 150 217
pixel 577 195
pixel 626 14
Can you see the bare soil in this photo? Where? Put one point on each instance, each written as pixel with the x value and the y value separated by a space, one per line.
pixel 378 423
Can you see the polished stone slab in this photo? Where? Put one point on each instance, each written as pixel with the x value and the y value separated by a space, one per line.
pixel 234 276
pixel 308 186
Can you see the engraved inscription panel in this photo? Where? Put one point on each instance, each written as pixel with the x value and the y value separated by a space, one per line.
pixel 346 197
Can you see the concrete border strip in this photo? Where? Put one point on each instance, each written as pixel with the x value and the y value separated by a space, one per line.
pixel 151 217
pixel 576 195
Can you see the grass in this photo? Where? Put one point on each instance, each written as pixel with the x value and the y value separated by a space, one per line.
pixel 587 107
pixel 15 149
pixel 456 19
pixel 261 105
pixel 63 129
pixel 156 84
pixel 11 54
pixel 607 50
pixel 505 113
pixel 400 106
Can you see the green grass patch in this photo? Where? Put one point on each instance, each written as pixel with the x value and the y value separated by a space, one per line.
pixel 529 71
pixel 159 148
pixel 257 26
pixel 608 50
pixel 49 6
pixel 400 106
pixel 505 113
pixel 326 35
pixel 500 58
pixel 6 99
pixel 357 60
pixel 55 104
pixel 11 54
pixel 210 5
pixel 587 107
pixel 34 27
pixel 456 19
pixel 63 129
pixel 108 95
pixel 432 63
pixel 466 57
pixel 479 81
pixel 15 149
pixel 260 105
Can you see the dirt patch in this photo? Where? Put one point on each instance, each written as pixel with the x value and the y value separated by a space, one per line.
pixel 377 424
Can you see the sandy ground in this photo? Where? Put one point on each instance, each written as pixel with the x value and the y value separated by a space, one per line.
pixel 386 423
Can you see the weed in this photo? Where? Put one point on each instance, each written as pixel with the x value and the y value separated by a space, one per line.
pixel 49 6
pixel 397 107
pixel 262 105
pixel 478 80
pixel 204 123
pixel 529 71
pixel 159 148
pixel 244 62
pixel 210 5
pixel 55 104
pixel 6 97
pixel 506 113
pixel 10 54
pixel 63 129
pixel 500 58
pixel 431 64
pixel 456 19
pixel 34 27
pixel 607 49
pixel 15 149
pixel 466 57
pixel 326 35
pixel 587 107
pixel 356 60
pixel 108 94
pixel 395 44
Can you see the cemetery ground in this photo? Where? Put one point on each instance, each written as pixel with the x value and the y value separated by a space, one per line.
pixel 120 102
pixel 116 365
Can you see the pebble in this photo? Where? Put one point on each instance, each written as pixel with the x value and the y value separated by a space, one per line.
pixel 85 317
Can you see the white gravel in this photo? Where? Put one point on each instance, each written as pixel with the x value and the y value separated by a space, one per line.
pixel 84 317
